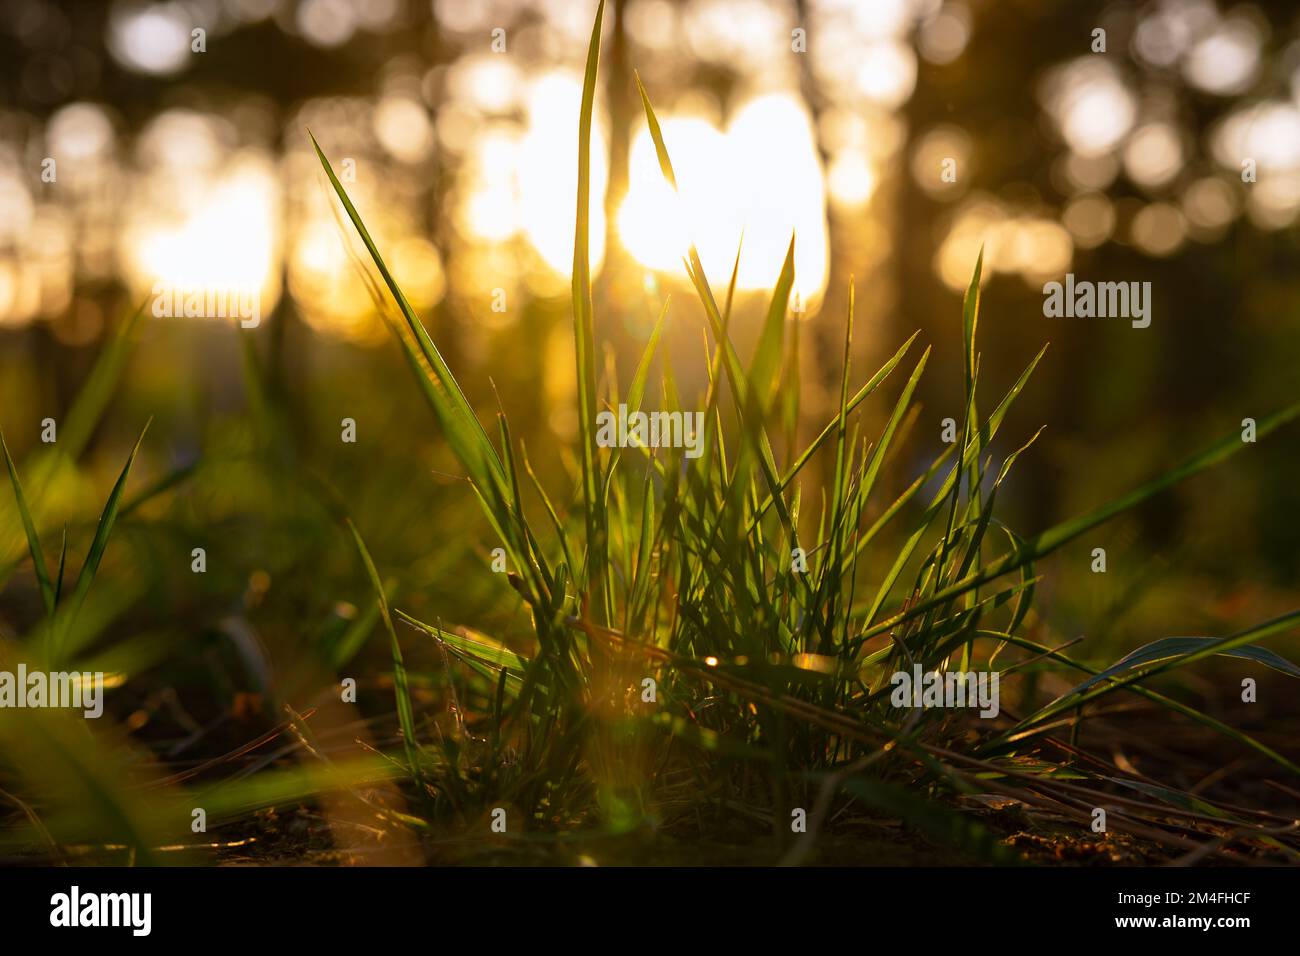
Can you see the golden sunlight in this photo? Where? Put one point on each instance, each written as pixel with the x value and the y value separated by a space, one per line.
pixel 760 177
pixel 548 172
pixel 224 236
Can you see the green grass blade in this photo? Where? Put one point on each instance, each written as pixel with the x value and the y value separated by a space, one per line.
pixel 1175 647
pixel 29 528
pixel 585 342
pixel 1203 649
pixel 1048 541
pixel 401 688
pixel 97 547
pixel 833 424
pixel 762 378
pixel 63 563
pixel 489 659
pixel 636 391
pixel 1216 725
pixel 456 417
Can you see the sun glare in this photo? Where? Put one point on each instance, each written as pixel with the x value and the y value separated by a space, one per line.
pixel 761 176
pixel 548 173
pixel 226 238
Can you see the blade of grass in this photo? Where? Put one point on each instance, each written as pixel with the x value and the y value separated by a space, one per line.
pixel 29 528
pixel 585 343
pixel 98 545
pixel 401 688
pixel 1048 541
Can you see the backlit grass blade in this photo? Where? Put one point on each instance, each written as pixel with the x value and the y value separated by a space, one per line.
pixel 831 426
pixel 77 426
pixel 830 579
pixel 479 646
pixel 532 561
pixel 98 545
pixel 459 423
pixel 754 396
pixel 585 343
pixel 1218 726
pixel 1074 701
pixel 736 378
pixel 1048 541
pixel 762 377
pixel 636 391
pixel 63 563
pixel 872 470
pixel 657 136
pixel 877 456
pixel 401 689
pixel 990 427
pixel 556 522
pixel 29 528
pixel 970 310
pixel 986 512
pixel 970 318
pixel 1170 653
pixel 496 663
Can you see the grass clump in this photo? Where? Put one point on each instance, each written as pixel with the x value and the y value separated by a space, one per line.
pixel 698 638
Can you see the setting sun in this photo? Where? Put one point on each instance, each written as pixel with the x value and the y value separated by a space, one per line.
pixel 760 177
